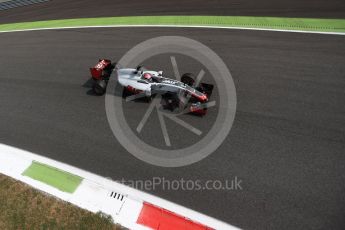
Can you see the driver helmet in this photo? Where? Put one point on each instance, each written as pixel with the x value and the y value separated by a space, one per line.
pixel 147 76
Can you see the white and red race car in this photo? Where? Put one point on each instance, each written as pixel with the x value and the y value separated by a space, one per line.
pixel 176 95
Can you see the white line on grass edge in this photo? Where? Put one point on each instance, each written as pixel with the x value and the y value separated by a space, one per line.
pixel 177 26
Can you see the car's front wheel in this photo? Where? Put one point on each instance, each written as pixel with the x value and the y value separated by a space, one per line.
pixel 188 79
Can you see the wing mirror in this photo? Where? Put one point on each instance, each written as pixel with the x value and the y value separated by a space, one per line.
pixel 160 73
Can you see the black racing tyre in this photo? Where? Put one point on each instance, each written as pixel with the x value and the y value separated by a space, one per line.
pixel 126 92
pixel 148 99
pixel 188 79
pixel 99 87
pixel 113 65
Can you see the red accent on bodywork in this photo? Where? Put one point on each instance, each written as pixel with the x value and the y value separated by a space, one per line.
pixel 201 98
pixel 133 90
pixel 197 110
pixel 161 219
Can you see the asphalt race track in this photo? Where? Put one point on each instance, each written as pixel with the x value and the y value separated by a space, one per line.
pixel 62 9
pixel 287 143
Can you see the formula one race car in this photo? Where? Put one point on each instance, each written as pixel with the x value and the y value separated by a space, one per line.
pixel 176 95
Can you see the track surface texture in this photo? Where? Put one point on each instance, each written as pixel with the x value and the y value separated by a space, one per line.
pixel 286 145
pixel 62 9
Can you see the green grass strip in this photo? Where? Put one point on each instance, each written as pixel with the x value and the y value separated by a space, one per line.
pixel 301 24
pixel 57 178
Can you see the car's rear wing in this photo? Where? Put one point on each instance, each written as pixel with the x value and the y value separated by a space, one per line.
pixel 102 69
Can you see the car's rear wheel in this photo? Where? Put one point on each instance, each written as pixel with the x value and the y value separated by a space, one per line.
pixel 99 87
pixel 188 79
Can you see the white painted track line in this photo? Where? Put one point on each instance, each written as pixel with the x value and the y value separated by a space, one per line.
pixel 177 26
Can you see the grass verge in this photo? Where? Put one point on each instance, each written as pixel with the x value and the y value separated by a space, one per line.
pixel 22 207
pixel 302 24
